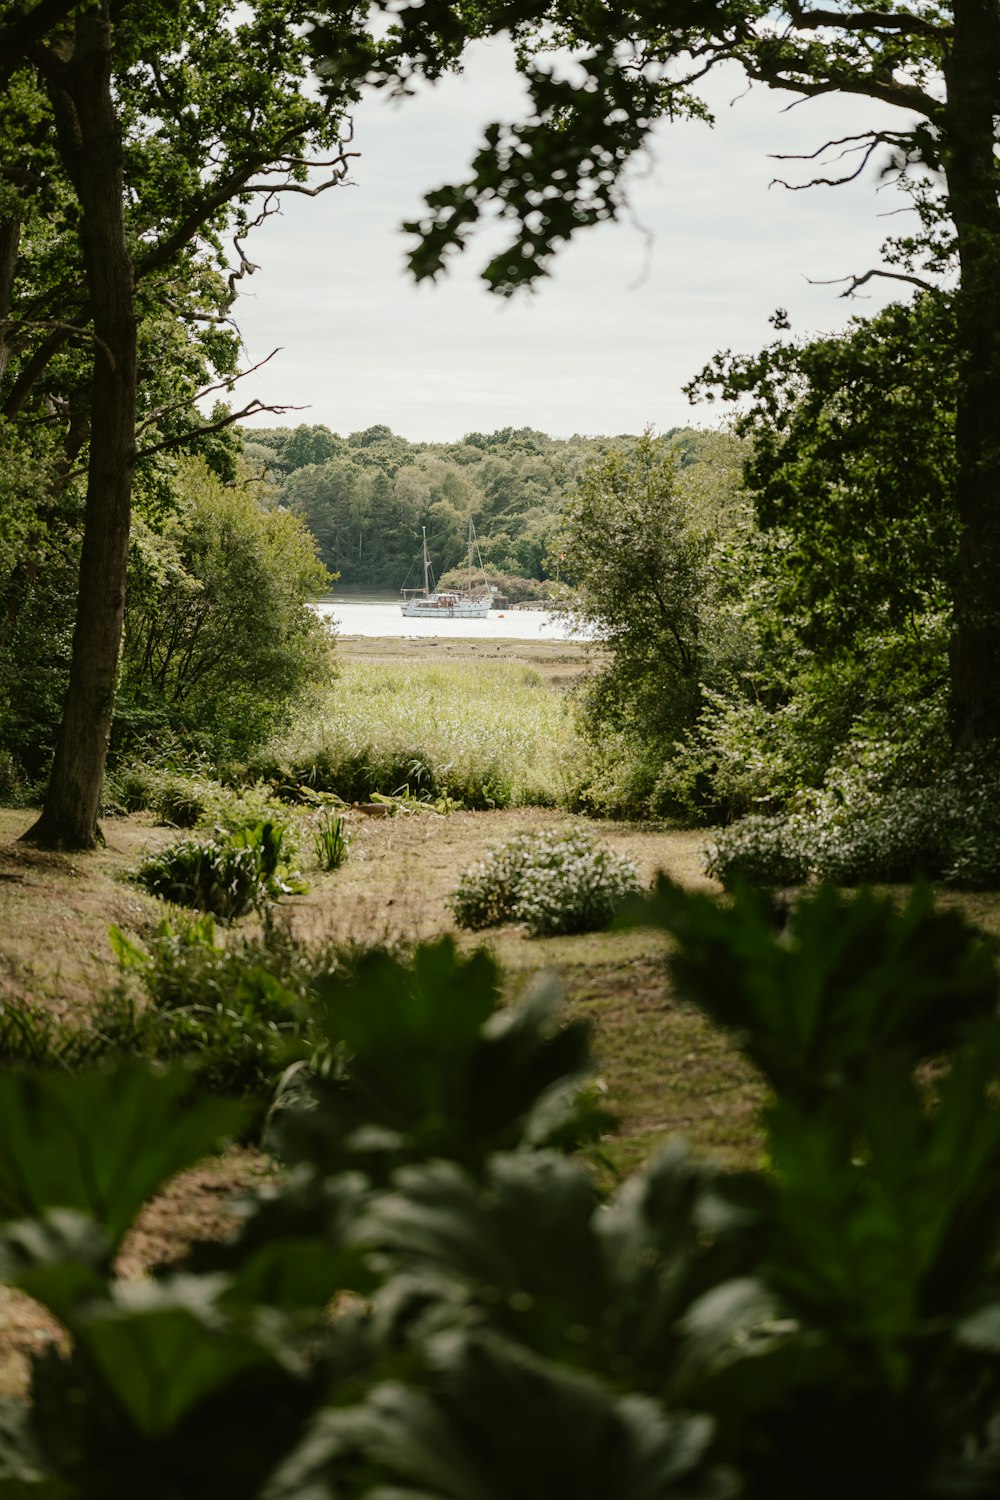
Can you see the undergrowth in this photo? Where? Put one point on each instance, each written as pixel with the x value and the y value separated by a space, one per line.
pixel 236 1009
pixel 228 874
pixel 857 831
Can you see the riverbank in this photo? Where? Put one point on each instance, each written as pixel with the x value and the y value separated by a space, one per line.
pixel 559 663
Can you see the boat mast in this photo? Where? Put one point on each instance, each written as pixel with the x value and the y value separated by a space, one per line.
pixel 427 562
pixel 472 538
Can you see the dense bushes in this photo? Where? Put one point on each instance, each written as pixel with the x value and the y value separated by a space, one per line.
pixel 859 830
pixel 219 639
pixel 826 1327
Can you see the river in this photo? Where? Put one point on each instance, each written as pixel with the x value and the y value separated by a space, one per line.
pixel 383 617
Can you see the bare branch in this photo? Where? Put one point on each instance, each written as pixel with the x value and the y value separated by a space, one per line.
pixel 297 187
pixel 849 142
pixel 797 187
pixel 249 410
pixel 855 282
pixel 230 380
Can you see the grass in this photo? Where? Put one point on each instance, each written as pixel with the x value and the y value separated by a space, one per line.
pixel 486 733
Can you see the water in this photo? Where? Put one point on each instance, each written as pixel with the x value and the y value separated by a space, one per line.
pixel 384 617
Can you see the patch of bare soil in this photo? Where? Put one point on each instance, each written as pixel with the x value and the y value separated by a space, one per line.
pixel 55 911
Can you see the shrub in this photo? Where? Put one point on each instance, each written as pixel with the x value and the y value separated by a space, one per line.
pixel 227 875
pixel 860 830
pixel 235 1011
pixel 824 1328
pixel 553 881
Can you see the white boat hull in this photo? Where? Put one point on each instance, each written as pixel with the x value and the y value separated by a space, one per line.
pixel 438 607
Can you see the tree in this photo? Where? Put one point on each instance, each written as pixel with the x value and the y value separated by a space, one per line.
pixel 561 169
pixel 640 542
pixel 170 122
pixel 219 636
pixel 852 461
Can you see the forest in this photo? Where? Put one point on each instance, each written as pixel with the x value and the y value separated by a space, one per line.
pixel 479 1068
pixel 366 498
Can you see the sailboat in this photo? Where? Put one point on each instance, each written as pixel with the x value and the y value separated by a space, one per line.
pixel 471 603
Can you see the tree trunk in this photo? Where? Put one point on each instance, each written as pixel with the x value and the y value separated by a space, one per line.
pixel 10 238
pixel 971 73
pixel 90 145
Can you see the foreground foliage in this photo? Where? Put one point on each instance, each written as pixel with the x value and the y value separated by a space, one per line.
pixel 826 1327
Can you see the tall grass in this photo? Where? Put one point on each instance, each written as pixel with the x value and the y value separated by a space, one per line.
pixel 488 734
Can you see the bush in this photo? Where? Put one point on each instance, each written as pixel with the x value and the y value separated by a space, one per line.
pixel 227 875
pixel 860 830
pixel 552 881
pixel 186 798
pixel 219 637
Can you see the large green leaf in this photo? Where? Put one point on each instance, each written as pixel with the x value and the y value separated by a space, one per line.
pixel 437 1069
pixel 163 1346
pixel 101 1143
pixel 490 1421
pixel 821 993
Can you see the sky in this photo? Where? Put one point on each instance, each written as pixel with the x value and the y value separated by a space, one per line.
pixel 632 311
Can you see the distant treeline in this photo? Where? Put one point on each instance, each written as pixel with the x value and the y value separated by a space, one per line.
pixel 366 497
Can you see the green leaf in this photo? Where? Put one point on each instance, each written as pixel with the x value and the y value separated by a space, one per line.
pixel 491 1421
pixel 161 1347
pixel 814 996
pixel 101 1143
pixel 437 1069
pixel 129 955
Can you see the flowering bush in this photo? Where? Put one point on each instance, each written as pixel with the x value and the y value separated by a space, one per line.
pixel 553 881
pixel 858 831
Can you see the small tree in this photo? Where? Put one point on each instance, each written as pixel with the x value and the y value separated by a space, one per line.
pixel 218 633
pixel 639 543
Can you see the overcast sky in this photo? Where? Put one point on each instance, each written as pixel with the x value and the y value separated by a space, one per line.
pixel 629 314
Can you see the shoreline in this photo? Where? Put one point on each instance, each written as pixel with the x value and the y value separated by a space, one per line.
pixel 558 662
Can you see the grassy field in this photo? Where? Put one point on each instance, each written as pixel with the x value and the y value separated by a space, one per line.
pixel 486 732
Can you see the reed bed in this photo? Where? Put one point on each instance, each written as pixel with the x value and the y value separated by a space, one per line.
pixel 486 734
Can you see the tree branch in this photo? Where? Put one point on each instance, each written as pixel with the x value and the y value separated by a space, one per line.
pixel 224 192
pixel 249 410
pixel 859 281
pixel 871 140
pixel 164 411
pixel 18 38
pixel 781 75
pixel 867 20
